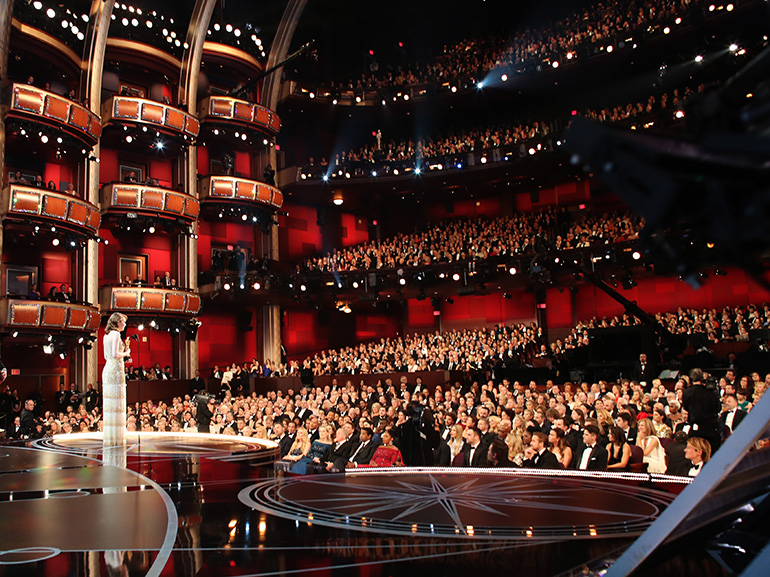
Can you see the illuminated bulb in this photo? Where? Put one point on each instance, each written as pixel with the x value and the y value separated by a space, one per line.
pixel 733 47
pixel 666 30
pixel 256 286
pixel 44 138
pixel 555 63
pixel 151 230
pixel 50 13
pixel 636 255
pixel 570 56
pixel 37 5
pixel 302 287
pixel 454 89
pixel 512 270
pixel 226 286
pixel 504 78
pixel 55 242
pixel 456 277
pixel 699 58
pixel 402 281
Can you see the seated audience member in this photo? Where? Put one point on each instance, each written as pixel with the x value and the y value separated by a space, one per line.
pixel 475 453
pixel 71 190
pixel 38 182
pixel 538 456
pixel 698 452
pixel 52 186
pixel 618 451
pixel 131 177
pixel 363 452
pixel 675 456
pixel 497 455
pixel 53 294
pixel 33 294
pixel 558 445
pixel 387 454
pixel 654 455
pixel 591 455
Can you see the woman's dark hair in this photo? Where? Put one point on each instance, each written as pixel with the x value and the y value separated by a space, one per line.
pixel 618 434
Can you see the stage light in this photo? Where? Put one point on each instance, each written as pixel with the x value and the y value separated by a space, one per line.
pixel 124 21
pixel 570 56
pixel 383 102
pixel 483 160
pixel 48 349
pixel 730 7
pixel 338 199
pixel 678 21
pixel 406 97
pixel 242 286
pixel 244 217
pixel 325 178
pixel 244 136
pixel 149 23
pixel 165 32
pixel 374 173
pixel 312 95
pixel 264 141
pixel 699 59
pixel 358 99
pixel 229 27
pixel 151 230
pixel 610 48
pixel 512 270
pixel 636 255
pixel 355 284
pixel 454 89
pixel 679 114
pixel 37 4
pixel 217 27
pixel 334 101
pixel 418 170
pixel 237 32
pixel 256 286
pixel 226 286
pixel 666 30
pixel 55 242
pixel 15 334
pixel 712 8
pixel 532 151
pixel 140 327
pixel 402 281
pixel 302 287
pixel 456 277
pixel 347 175
pixel 64 23
pixel 50 13
pixel 44 138
pixel 134 22
pixel 555 63
pixel 153 324
pixel 480 85
pixel 733 47
pixel 129 138
pixel 504 78
pixel 459 165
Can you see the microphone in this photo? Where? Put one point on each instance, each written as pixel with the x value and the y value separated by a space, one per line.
pixel 134 337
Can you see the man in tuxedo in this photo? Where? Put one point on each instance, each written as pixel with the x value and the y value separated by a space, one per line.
pixel 702 406
pixel 449 421
pixel 337 454
pixel 591 456
pixel 363 453
pixel 644 372
pixel 475 453
pixel 624 421
pixel 197 383
pixel 303 413
pixel 677 462
pixel 205 412
pixel 283 440
pixel 731 415
pixel 538 457
pixel 312 428
pixel 93 398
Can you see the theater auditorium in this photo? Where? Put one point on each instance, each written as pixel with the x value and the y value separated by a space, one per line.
pixel 351 289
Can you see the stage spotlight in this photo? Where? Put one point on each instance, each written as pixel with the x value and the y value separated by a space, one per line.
pixel 15 334
pixel 570 56
pixel 555 63
pixel 55 242
pixel 355 284
pixel 140 327
pixel 417 170
pixel 454 89
pixel 256 286
pixel 733 47
pixel 325 178
pixel 480 85
pixel 244 217
pixel 698 59
pixel 302 287
pixel 48 349
pixel 636 255
pixel 226 286
pixel 50 13
pixel 512 270
pixel 456 277
pixel 504 78
pixel 153 324
pixel 151 230
pixel 44 138
pixel 402 281
pixel 129 138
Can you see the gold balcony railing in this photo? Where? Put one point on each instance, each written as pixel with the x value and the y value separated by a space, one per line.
pixel 40 205
pixel 120 109
pixel 224 188
pixel 22 314
pixel 30 102
pixel 149 301
pixel 246 114
pixel 133 197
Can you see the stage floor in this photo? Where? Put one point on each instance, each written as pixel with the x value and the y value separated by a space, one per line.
pixel 212 505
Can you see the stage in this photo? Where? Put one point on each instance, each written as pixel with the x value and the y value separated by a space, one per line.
pixel 187 505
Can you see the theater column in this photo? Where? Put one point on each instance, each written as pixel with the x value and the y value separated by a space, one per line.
pixel 186 351
pixel 6 16
pixel 86 277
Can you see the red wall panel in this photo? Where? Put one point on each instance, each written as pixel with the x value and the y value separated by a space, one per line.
pixel 369 327
pixel 221 342
pixel 355 229
pixel 489 207
pixel 204 167
pixel 559 311
pixel 298 233
pixel 486 310
pixel 302 333
pixel 55 271
pixel 109 171
pixel 243 164
pixel 161 170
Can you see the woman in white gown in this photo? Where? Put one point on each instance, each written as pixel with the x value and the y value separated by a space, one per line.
pixel 114 382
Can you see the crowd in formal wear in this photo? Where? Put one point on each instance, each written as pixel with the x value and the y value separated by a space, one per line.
pixel 38 182
pixel 597 29
pixel 624 426
pixel 482 238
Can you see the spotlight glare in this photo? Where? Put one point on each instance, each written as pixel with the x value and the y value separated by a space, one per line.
pixel 256 286
pixel 733 47
pixel 480 85
pixel 402 281
pixel 55 242
pixel 151 230
pixel 512 270
pixel 699 58
pixel 504 78
pixel 302 287
pixel 636 255
pixel 50 13
pixel 456 277
pixel 555 63
pixel 226 286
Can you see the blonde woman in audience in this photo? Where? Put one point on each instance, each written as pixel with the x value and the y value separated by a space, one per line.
pixel 455 441
pixel 654 455
pixel 300 447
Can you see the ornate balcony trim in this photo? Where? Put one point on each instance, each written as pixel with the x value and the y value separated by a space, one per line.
pixel 242 112
pixel 28 203
pixel 134 197
pixel 120 109
pixel 23 314
pixel 230 188
pixel 31 102
pixel 149 301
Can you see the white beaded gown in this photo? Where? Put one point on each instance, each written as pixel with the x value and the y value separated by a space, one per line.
pixel 114 395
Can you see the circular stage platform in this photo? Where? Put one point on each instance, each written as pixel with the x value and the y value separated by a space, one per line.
pixel 222 447
pixel 484 503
